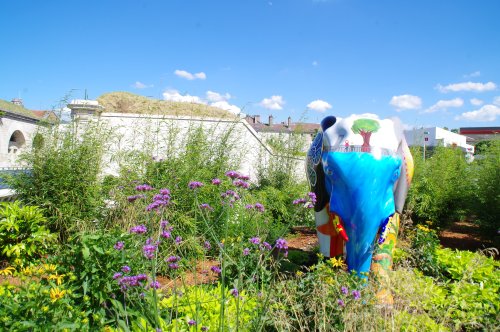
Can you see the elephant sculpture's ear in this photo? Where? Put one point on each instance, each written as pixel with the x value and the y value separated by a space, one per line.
pixel 314 171
pixel 403 184
pixel 328 122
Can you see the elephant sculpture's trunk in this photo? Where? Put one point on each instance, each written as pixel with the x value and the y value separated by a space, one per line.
pixel 361 194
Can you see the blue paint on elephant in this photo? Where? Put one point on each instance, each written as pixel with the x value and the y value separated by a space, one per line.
pixel 360 186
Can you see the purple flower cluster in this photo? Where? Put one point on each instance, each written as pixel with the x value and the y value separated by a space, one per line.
pixel 143 187
pixel 126 269
pixel 139 229
pixel 281 244
pixel 356 294
pixel 340 303
pixel 159 200
pixel 155 285
pixel 149 251
pixel 308 202
pixel 255 240
pixel 205 206
pixel 246 252
pixel 232 195
pixel 165 229
pixel 234 292
pixel 216 182
pixel 241 183
pixel 266 245
pixel 172 259
pixel 191 322
pixel 134 197
pixel 216 269
pixel 119 245
pixel 259 207
pixel 207 245
pixel 194 185
pixel 344 290
pixel 131 281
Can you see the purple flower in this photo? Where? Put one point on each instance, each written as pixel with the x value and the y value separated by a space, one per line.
pixel 281 244
pixel 204 328
pixel 216 182
pixel 207 245
pixel 173 266
pixel 340 303
pixel 165 191
pixel 117 275
pixel 126 269
pixel 254 240
pixel 191 322
pixel 249 206
pixel 178 239
pixel 234 292
pixel 165 234
pixel 259 207
pixel 244 177
pixel 246 252
pixel 155 285
pixel 344 290
pixel 143 187
pixel 132 198
pixel 233 174
pixel 241 183
pixel 149 251
pixel 158 330
pixel 194 184
pixel 299 201
pixel 119 245
pixel 266 246
pixel 205 206
pixel 356 294
pixel 172 259
pixel 215 269
pixel 312 197
pixel 140 229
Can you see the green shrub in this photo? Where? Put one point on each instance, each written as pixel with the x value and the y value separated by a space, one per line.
pixel 63 176
pixel 23 236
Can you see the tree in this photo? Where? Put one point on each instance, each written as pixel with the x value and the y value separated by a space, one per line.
pixel 365 127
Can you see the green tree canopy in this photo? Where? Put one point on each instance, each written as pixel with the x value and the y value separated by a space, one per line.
pixel 365 125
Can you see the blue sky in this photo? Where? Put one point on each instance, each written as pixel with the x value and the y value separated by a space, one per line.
pixel 430 63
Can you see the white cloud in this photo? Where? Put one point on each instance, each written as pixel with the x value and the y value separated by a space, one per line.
pixel 477 73
pixel 273 103
pixel 476 102
pixel 406 102
pixel 319 105
pixel 442 105
pixel 215 96
pixel 467 86
pixel 140 85
pixel 174 95
pixel 487 113
pixel 222 104
pixel 187 75
pixel 496 100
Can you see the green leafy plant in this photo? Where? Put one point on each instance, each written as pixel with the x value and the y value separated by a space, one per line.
pixel 23 236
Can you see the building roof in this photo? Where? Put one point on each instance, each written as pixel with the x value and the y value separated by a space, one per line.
pixel 479 130
pixel 288 127
pixel 20 110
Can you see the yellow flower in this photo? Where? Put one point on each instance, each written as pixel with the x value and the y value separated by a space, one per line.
pixel 58 278
pixel 423 228
pixel 337 262
pixel 56 294
pixel 8 271
pixel 299 273
pixel 49 267
pixel 45 308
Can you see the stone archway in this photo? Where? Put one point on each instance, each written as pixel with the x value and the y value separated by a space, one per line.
pixel 16 142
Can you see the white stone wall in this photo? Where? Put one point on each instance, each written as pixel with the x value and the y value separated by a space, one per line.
pixel 160 135
pixel 8 125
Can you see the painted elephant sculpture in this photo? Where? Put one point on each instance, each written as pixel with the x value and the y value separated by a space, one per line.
pixel 360 168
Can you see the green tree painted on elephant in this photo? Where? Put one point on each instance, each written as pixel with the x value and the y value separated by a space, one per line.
pixel 365 127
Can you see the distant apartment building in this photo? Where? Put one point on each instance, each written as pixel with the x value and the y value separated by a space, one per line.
pixel 435 136
pixel 475 135
pixel 271 130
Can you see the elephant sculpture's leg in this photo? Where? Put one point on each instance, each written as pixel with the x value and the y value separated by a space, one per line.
pixel 382 261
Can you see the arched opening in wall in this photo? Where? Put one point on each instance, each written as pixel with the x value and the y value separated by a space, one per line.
pixel 16 142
